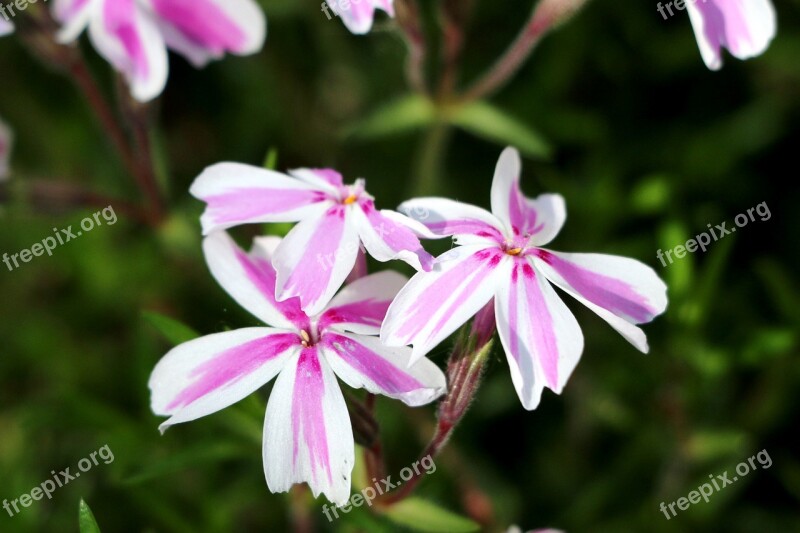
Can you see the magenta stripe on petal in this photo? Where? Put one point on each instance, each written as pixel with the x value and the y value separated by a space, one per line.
pixel 465 227
pixel 204 23
pixel 119 18
pixel 248 204
pixel 313 273
pixel 232 365
pixel 308 415
pixel 261 274
pixel 478 267
pixel 367 312
pixel 381 372
pixel 397 237
pixel 538 322
pixel 609 293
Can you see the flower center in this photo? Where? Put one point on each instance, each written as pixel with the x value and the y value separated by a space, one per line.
pixel 306 339
pixel 350 199
pixel 513 251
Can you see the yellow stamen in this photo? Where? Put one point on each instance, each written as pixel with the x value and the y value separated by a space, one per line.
pixel 350 199
pixel 514 251
pixel 305 337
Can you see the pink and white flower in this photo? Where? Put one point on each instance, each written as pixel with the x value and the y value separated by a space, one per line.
pixel 307 432
pixel 133 35
pixel 334 220
pixel 744 27
pixel 500 256
pixel 6 140
pixel 358 15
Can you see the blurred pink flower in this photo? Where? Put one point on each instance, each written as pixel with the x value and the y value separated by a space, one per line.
pixel 744 27
pixel 358 15
pixel 334 220
pixel 133 35
pixel 6 26
pixel 307 432
pixel 500 256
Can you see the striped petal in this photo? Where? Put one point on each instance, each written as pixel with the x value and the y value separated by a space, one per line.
pixel 315 258
pixel 128 38
pixel 321 178
pixel 358 15
pixel 622 291
pixel 744 27
pixel 388 238
pixel 361 306
pixel 250 280
pixel 208 374
pixel 202 30
pixel 363 362
pixel 243 194
pixel 307 433
pixel 541 337
pixel 434 304
pixel 538 220
pixel 443 217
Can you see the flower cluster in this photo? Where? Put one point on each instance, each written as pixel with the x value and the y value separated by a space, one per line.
pixel 362 334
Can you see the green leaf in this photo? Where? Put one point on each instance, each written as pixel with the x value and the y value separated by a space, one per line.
pixel 422 515
pixel 86 519
pixel 405 114
pixel 486 121
pixel 174 331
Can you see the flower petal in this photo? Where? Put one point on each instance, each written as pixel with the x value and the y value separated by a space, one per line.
pixel 446 217
pixel 243 194
pixel 250 280
pixel 622 291
pixel 358 15
pixel 745 27
pixel 363 362
pixel 315 258
pixel 321 178
pixel 361 306
pixel 542 340
pixel 6 27
pixel 74 16
pixel 208 374
pixel 129 39
pixel 202 30
pixel 434 304
pixel 540 219
pixel 386 239
pixel 307 433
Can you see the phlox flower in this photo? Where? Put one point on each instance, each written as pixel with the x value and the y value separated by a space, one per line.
pixel 334 221
pixel 358 15
pixel 500 255
pixel 744 27
pixel 133 35
pixel 307 432
pixel 6 139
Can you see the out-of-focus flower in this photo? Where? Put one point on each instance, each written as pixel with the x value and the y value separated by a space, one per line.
pixel 334 220
pixel 744 27
pixel 6 140
pixel 500 256
pixel 358 15
pixel 6 26
pixel 307 432
pixel 133 35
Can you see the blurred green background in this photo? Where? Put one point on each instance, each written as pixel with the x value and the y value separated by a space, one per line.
pixel 618 114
